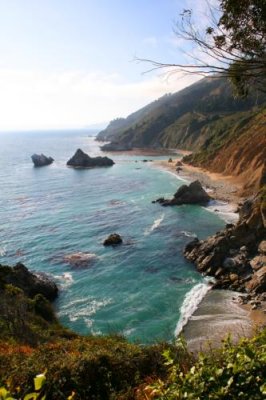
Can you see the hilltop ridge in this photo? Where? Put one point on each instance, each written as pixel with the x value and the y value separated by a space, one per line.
pixel 226 134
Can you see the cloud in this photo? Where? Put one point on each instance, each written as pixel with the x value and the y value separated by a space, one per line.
pixel 31 99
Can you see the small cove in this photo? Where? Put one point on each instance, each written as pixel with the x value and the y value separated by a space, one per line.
pixel 50 213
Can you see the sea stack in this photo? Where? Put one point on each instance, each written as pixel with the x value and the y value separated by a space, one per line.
pixel 83 160
pixel 113 240
pixel 187 194
pixel 40 160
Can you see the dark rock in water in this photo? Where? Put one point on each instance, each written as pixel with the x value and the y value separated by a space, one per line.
pixel 113 240
pixel 161 200
pixel 115 146
pixel 192 194
pixel 83 160
pixel 31 283
pixel 40 160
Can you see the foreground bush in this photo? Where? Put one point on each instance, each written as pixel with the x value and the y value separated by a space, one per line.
pixel 92 367
pixel 231 373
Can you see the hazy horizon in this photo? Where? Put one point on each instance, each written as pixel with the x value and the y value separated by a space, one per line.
pixel 68 65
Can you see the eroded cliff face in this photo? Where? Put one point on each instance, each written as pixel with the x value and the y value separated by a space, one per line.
pixel 236 256
pixel 242 155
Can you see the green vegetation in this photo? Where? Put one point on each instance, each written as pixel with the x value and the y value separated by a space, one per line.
pixel 39 359
pixel 185 119
pixel 92 367
pixel 231 373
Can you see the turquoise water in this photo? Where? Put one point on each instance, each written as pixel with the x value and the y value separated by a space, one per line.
pixel 50 213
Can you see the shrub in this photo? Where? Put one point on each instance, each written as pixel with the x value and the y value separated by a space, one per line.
pixel 231 373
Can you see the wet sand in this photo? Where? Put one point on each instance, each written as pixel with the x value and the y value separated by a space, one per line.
pixel 218 315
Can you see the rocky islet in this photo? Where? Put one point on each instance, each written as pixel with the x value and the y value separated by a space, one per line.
pixel 83 160
pixel 40 160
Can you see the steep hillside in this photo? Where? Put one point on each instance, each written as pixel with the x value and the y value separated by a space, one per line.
pixel 178 120
pixel 227 135
pixel 237 147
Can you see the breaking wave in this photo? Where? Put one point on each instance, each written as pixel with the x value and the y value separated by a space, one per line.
pixel 155 225
pixel 191 302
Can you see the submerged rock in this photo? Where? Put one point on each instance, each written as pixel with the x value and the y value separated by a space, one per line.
pixel 40 160
pixel 31 283
pixel 83 160
pixel 188 194
pixel 113 240
pixel 80 260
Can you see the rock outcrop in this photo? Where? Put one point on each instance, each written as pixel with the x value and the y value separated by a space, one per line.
pixel 187 194
pixel 31 283
pixel 83 160
pixel 235 256
pixel 113 240
pixel 40 160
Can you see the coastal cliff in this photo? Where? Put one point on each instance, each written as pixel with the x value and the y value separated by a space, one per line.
pixel 236 256
pixel 226 134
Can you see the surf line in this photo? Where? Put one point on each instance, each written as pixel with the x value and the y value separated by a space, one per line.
pixel 155 225
pixel 191 302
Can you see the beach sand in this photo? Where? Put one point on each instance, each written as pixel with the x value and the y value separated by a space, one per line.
pixel 220 187
pixel 218 315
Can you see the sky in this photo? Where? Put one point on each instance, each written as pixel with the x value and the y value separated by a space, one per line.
pixel 72 63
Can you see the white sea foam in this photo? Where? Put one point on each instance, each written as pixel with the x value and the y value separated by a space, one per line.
pixel 191 302
pixel 225 211
pixel 84 309
pixel 129 331
pixel 155 225
pixel 2 251
pixel 188 234
pixel 180 178
pixel 66 279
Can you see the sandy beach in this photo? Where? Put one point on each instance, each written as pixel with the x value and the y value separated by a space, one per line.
pixel 218 315
pixel 220 187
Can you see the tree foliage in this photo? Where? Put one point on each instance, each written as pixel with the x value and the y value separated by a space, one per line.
pixel 232 45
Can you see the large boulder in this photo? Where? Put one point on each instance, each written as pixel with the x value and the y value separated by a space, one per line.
pixel 258 282
pixel 191 194
pixel 188 194
pixel 40 160
pixel 113 240
pixel 31 283
pixel 83 160
pixel 237 250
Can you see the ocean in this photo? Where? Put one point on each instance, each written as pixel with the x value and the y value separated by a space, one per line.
pixel 144 288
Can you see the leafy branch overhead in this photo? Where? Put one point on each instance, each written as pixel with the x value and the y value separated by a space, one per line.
pixel 232 45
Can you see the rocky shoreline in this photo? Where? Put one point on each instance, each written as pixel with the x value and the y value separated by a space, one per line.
pixel 235 256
